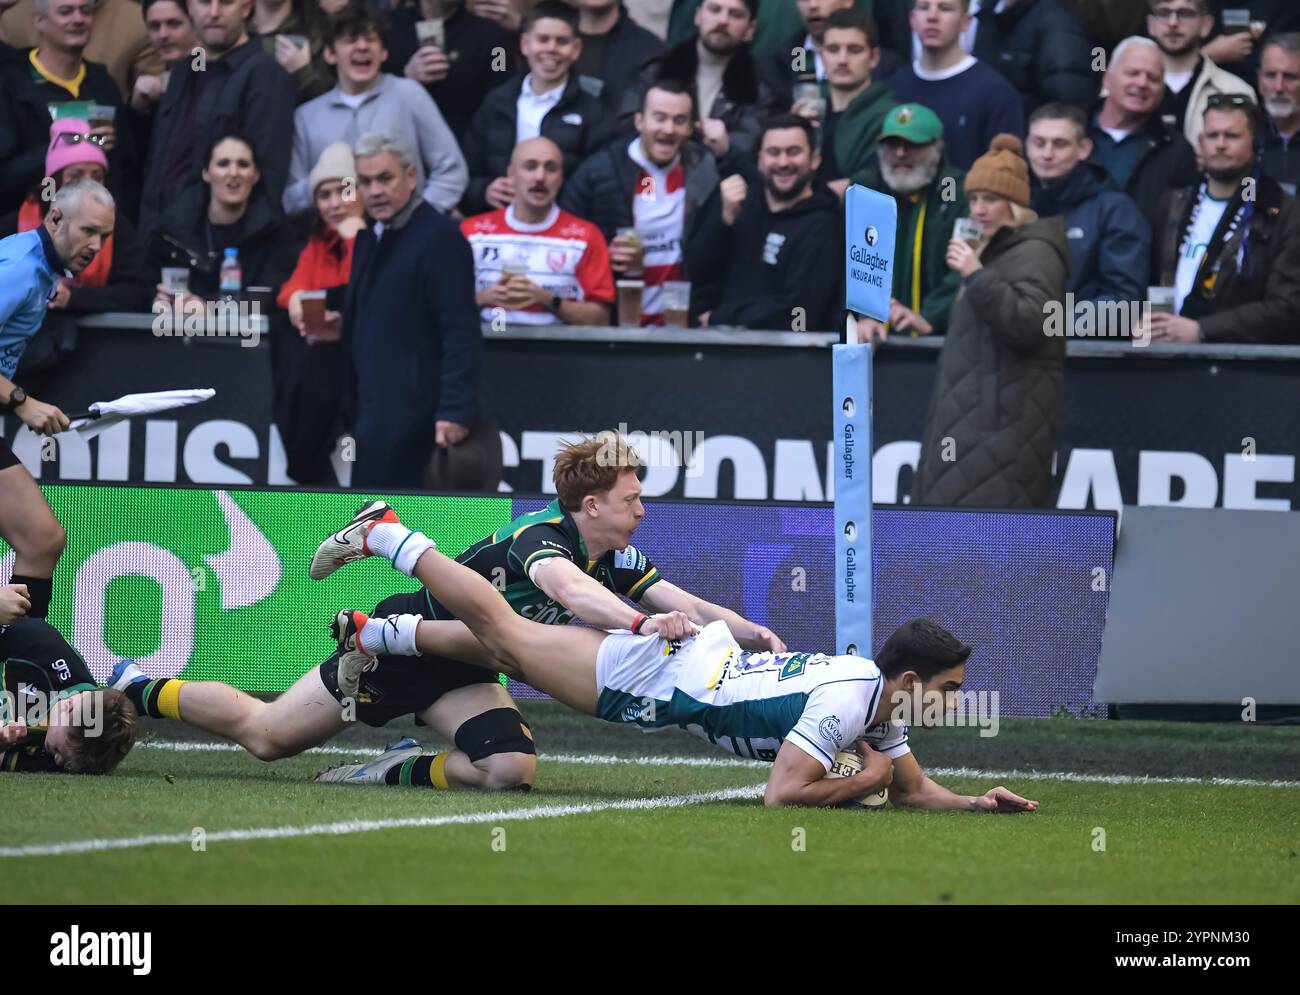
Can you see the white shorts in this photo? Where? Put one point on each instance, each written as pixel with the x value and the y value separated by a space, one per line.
pixel 635 677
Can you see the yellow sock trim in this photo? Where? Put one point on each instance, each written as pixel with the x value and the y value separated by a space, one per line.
pixel 169 699
pixel 438 772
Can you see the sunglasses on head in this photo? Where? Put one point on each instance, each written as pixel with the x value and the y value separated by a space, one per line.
pixel 76 138
pixel 1216 100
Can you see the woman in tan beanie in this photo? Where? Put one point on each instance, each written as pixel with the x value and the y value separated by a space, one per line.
pixel 991 432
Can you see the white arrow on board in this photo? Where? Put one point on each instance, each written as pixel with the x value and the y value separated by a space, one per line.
pixel 250 569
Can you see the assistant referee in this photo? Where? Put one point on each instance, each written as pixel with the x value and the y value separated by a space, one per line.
pixel 31 265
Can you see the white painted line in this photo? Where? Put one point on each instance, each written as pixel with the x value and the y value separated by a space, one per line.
pixel 610 759
pixel 375 825
pixel 1043 775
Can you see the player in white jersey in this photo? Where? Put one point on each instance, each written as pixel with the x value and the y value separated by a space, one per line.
pixel 796 710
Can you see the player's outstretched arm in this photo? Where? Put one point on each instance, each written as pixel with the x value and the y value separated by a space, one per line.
pixel 561 580
pixel 912 789
pixel 798 779
pixel 665 597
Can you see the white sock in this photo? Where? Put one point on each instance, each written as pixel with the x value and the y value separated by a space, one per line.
pixel 385 537
pixel 399 544
pixel 391 636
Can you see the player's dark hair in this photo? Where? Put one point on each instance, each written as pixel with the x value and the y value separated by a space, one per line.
pixel 592 466
pixel 776 122
pixel 921 646
pixel 555 10
pixel 117 734
pixel 851 19
pixel 355 21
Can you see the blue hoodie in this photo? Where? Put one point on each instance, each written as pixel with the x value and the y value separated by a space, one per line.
pixel 29 268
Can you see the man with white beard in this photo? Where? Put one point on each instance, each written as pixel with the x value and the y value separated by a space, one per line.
pixel 1279 89
pixel 910 166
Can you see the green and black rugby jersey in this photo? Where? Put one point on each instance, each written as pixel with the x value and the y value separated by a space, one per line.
pixel 506 556
pixel 37 668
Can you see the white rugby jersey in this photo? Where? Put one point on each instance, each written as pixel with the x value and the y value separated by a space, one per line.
pixel 748 703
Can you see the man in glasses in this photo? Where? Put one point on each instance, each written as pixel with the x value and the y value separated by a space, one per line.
pixel 1191 77
pixel 56 72
pixel 1229 244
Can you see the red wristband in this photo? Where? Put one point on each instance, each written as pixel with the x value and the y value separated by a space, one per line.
pixel 638 622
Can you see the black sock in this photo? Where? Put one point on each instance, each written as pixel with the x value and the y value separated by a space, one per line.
pixel 39 592
pixel 158 699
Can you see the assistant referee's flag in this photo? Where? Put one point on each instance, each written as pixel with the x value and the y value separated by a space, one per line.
pixel 104 414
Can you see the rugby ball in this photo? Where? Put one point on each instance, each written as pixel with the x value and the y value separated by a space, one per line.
pixel 848 763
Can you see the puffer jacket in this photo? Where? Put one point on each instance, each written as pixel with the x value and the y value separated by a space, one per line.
pixel 995 413
pixel 1042 48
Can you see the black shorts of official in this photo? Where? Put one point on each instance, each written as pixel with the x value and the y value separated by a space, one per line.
pixel 7 457
pixel 404 685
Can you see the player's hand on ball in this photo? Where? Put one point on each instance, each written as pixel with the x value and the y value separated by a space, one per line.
pixel 41 418
pixel 14 603
pixel 999 799
pixel 669 625
pixel 877 769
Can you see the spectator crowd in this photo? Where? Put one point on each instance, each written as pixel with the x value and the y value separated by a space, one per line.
pixel 394 174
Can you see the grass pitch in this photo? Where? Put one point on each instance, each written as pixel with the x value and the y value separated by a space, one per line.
pixel 622 817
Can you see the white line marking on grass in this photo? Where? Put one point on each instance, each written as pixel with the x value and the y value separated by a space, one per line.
pixel 1043 775
pixel 374 825
pixel 609 759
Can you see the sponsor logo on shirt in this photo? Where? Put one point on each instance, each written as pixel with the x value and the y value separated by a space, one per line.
pixel 829 729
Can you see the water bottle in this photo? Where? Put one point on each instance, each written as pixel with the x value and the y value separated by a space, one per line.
pixel 231 276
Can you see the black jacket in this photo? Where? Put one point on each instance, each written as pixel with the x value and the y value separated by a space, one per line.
pixel 473 46
pixel 1043 49
pixel 268 248
pixel 574 124
pixel 782 270
pixel 25 131
pixel 996 408
pixel 747 95
pixel 1166 162
pixel 628 47
pixel 1110 241
pixel 1258 301
pixel 246 91
pixel 1277 158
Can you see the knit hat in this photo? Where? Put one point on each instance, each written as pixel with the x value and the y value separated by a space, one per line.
pixel 335 163
pixel 1001 170
pixel 64 153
